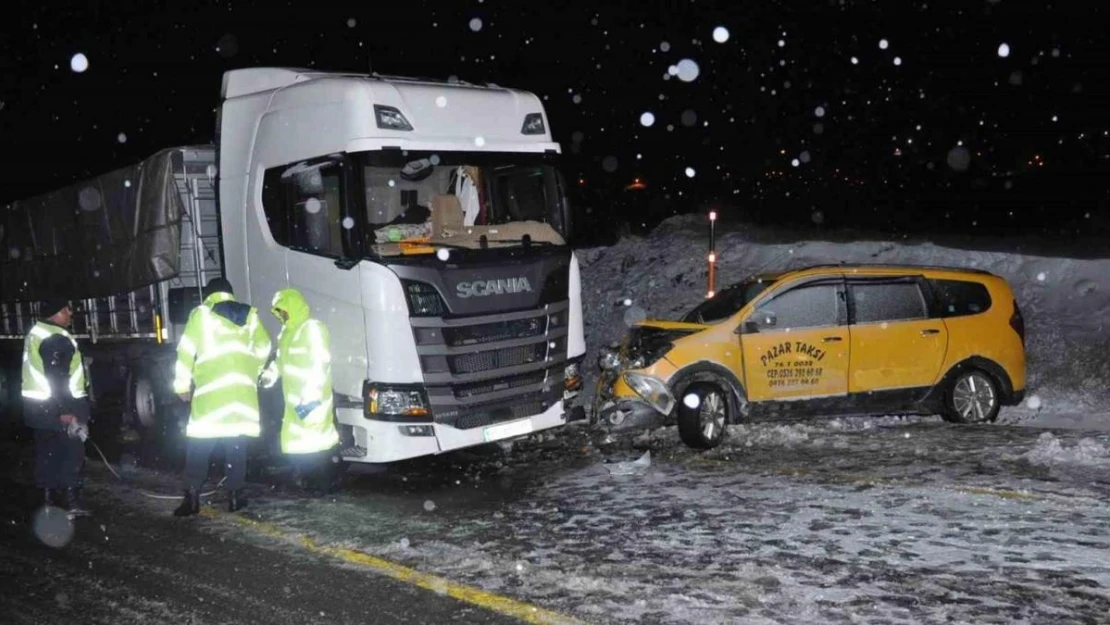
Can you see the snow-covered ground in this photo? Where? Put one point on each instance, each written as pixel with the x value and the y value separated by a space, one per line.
pixel 1064 300
pixel 893 520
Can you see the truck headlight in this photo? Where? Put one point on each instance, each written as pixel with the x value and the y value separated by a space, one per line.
pixel 608 359
pixel 573 380
pixel 395 402
pixel 650 389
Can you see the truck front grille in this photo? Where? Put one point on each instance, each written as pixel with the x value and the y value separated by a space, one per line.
pixel 492 368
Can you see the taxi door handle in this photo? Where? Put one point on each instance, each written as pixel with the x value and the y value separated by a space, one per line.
pixel 929 331
pixel 833 339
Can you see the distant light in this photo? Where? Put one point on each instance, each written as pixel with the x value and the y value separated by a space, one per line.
pixel 690 172
pixel 712 257
pixel 883 44
pixel 647 119
pixel 712 215
pixel 1004 50
pixel 720 34
pixel 79 63
pixel 710 294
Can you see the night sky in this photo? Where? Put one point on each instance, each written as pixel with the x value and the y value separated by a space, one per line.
pixel 979 116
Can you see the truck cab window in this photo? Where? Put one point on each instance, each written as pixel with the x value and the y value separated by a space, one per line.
pixel 303 203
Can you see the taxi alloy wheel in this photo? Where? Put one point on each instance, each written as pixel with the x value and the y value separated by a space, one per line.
pixel 703 415
pixel 973 398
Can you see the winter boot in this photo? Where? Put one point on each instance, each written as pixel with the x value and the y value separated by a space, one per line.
pixel 190 505
pixel 236 500
pixel 73 504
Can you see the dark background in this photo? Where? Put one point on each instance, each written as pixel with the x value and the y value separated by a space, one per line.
pixel 888 154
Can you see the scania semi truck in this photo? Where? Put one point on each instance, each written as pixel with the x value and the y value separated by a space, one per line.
pixel 426 222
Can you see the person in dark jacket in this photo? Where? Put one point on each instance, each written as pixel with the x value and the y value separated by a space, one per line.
pixel 55 405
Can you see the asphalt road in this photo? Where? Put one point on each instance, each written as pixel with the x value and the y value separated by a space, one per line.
pixel 125 565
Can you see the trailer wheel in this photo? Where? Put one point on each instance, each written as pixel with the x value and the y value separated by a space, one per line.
pixel 142 401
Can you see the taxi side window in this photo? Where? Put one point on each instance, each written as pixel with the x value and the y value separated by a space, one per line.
pixel 899 301
pixel 956 298
pixel 804 307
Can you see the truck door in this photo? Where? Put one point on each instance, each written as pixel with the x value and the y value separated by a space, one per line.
pixel 796 345
pixel 318 262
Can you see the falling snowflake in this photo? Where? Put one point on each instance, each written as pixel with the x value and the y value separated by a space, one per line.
pixel 805 156
pixel 429 505
pixel 855 61
pixel 122 138
pixel 687 70
pixel 479 141
pixel 312 205
pixel 883 44
pixel 720 34
pixel 441 101
pixel 351 23
pixel 609 164
pixel 348 223
pixel 476 24
pixel 819 111
pixel 577 99
pixel 79 63
pixel 795 163
pixel 897 60
pixel 665 47
pixel 647 119
pixel 689 118
pixel 1004 50
pixel 690 173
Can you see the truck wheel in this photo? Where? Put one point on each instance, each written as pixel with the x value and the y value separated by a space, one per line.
pixel 971 397
pixel 703 415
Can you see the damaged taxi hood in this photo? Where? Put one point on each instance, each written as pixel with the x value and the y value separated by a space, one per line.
pixel 680 326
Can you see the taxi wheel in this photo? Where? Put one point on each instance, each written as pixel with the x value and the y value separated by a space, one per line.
pixel 972 397
pixel 703 416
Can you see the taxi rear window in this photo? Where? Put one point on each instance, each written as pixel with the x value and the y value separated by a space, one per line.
pixel 958 298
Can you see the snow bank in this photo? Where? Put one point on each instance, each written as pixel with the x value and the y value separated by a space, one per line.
pixel 663 275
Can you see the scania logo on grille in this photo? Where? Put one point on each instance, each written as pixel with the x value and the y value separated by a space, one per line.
pixel 500 286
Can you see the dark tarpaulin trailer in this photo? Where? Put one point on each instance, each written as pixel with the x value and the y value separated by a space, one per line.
pixel 114 233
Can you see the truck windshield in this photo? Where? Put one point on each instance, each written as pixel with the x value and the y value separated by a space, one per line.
pixel 456 198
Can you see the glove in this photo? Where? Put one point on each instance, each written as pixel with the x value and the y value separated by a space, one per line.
pixel 303 410
pixel 77 430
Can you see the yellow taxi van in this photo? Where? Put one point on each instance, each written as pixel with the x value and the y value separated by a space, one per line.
pixel 822 340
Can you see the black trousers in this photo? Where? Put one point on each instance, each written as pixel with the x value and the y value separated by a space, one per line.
pixel 58 460
pixel 317 471
pixel 198 455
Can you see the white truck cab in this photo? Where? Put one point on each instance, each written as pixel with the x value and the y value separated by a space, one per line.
pixel 427 225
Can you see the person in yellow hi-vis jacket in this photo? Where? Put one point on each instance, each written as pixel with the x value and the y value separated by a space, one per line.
pixel 219 360
pixel 303 364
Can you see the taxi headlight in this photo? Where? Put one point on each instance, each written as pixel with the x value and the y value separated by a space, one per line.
pixel 650 389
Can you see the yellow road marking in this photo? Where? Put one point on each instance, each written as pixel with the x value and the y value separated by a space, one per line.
pixel 495 603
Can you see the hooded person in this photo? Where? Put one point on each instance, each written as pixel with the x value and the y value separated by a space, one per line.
pixel 55 405
pixel 222 352
pixel 303 364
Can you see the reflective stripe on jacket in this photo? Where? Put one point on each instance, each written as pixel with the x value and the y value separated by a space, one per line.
pixel 220 358
pixel 303 363
pixel 36 386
